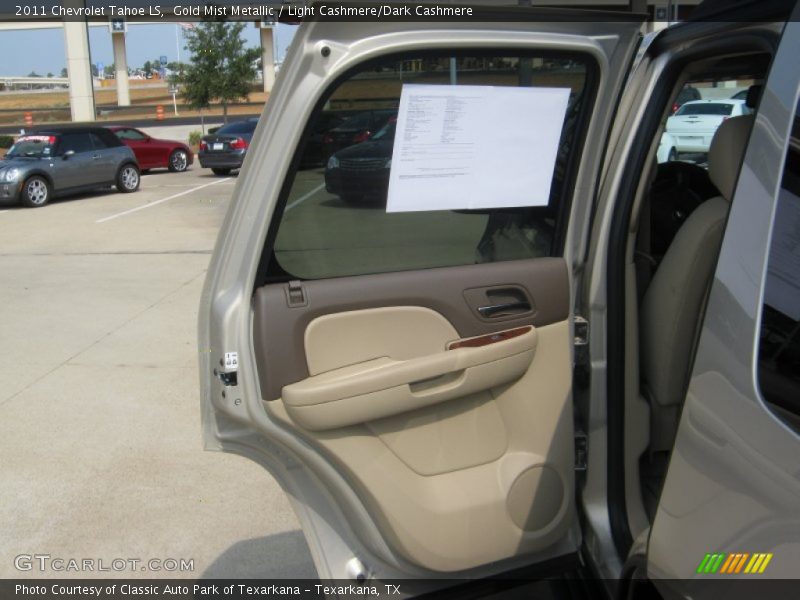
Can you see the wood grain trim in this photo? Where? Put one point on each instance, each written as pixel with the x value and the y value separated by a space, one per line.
pixel 491 338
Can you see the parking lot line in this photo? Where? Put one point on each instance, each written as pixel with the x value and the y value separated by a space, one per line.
pixel 178 195
pixel 304 197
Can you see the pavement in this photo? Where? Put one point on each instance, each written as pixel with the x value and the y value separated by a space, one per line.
pixel 99 404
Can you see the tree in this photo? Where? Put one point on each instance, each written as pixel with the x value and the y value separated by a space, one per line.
pixel 147 67
pixel 33 74
pixel 221 69
pixel 49 74
pixel 109 70
pixel 64 72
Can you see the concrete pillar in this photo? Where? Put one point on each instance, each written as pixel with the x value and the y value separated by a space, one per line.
pixel 121 69
pixel 268 57
pixel 76 50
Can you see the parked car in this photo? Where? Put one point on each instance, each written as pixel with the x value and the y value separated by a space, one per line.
pixel 153 153
pixel 355 129
pixel 695 123
pixel 224 150
pixel 49 162
pixel 571 404
pixel 315 152
pixel 687 94
pixel 362 171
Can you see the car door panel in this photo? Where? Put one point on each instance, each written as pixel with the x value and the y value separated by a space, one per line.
pixel 422 428
pixel 446 450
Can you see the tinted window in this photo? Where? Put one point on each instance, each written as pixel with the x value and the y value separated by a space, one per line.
pixel 97 142
pixel 710 108
pixel 779 350
pixel 238 127
pixel 130 134
pixel 77 142
pixel 335 220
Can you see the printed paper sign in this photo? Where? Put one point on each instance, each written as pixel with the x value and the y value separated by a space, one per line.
pixel 467 146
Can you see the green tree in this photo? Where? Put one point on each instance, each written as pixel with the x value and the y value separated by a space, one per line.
pixel 222 67
pixel 109 70
pixel 147 67
pixel 64 72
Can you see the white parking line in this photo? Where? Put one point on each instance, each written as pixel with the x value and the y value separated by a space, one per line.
pixel 178 195
pixel 304 197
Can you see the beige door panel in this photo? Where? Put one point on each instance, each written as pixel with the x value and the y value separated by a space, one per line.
pixel 463 456
pixel 382 385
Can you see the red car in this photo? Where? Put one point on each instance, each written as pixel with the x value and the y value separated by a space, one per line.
pixel 152 153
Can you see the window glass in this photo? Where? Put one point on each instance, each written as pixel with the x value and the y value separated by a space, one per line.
pixel 238 127
pixel 335 220
pixel 77 142
pixel 779 349
pixel 705 108
pixel 32 145
pixel 130 134
pixel 97 142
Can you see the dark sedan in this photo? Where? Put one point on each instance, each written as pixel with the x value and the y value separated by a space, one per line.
pixel 225 149
pixel 361 172
pixel 357 128
pixel 153 153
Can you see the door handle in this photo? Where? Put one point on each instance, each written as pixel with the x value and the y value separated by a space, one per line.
pixel 494 310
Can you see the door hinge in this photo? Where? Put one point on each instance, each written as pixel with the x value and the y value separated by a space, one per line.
pixel 581 447
pixel 581 340
pixel 296 294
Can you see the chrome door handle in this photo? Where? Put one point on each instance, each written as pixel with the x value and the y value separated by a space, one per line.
pixel 497 309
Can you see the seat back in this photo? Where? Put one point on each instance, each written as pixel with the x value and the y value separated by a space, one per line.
pixel 674 301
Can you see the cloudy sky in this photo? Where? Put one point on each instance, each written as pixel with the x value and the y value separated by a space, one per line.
pixel 43 50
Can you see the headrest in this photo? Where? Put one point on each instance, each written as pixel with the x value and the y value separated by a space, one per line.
pixel 727 153
pixel 753 94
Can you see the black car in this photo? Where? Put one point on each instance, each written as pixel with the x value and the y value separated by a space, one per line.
pixel 225 149
pixel 56 161
pixel 362 171
pixel 315 153
pixel 687 94
pixel 356 129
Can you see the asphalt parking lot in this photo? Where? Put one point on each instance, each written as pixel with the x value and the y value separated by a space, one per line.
pixel 100 446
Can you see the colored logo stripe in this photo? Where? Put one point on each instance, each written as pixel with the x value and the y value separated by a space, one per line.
pixel 735 562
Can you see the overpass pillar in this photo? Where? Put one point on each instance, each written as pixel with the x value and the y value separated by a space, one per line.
pixel 79 70
pixel 268 57
pixel 121 69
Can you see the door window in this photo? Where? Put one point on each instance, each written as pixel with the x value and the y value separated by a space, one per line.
pixel 335 220
pixel 779 348
pixel 130 134
pixel 77 142
pixel 97 142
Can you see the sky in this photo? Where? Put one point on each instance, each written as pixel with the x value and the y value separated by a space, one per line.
pixel 43 49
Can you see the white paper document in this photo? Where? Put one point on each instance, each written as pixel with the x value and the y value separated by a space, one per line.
pixel 470 146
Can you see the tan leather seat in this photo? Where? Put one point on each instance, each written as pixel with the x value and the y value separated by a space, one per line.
pixel 673 303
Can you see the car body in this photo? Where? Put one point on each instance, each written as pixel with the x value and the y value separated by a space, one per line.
pixel 49 162
pixel 357 128
pixel 225 149
pixel 362 171
pixel 153 153
pixel 693 126
pixel 463 393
